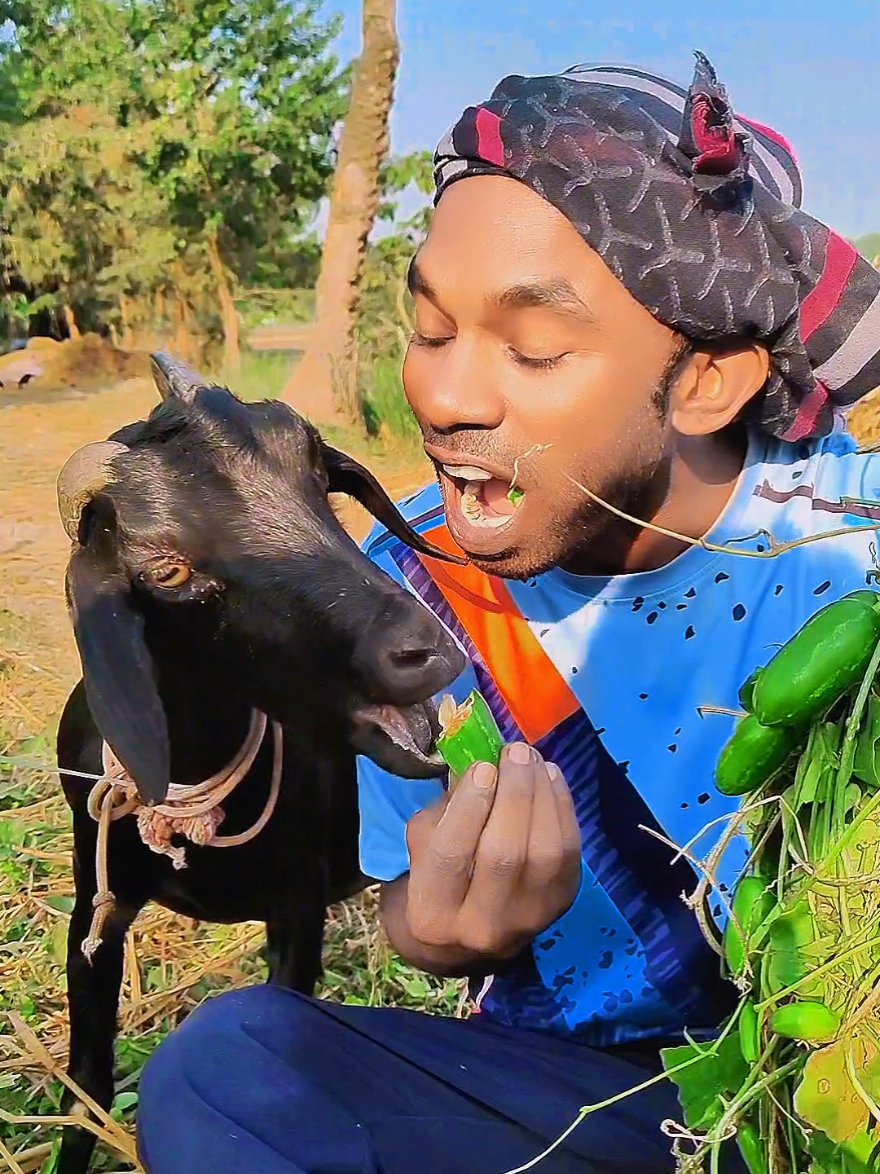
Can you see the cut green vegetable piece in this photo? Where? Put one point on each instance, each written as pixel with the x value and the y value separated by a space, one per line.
pixel 824 659
pixel 515 495
pixel 470 734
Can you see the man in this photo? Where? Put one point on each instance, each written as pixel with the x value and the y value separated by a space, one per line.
pixel 621 314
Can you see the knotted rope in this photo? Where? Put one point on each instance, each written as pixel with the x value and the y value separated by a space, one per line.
pixel 193 812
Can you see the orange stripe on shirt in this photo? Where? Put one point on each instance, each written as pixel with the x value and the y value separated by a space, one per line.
pixel 536 694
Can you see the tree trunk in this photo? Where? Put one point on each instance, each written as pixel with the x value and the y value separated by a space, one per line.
pixel 324 382
pixel 67 319
pixel 183 345
pixel 127 338
pixel 228 312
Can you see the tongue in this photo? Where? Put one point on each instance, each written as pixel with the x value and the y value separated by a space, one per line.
pixel 495 499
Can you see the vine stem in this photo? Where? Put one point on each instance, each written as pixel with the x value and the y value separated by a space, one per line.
pixel 774 548
pixel 588 1110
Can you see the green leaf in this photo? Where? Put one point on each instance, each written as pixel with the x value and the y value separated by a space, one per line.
pixel 58 941
pixel 826 1097
pixel 124 1101
pixel 60 903
pixel 867 760
pixel 703 1084
pixel 851 1157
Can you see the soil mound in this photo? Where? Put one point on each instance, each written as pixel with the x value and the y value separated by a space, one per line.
pixel 86 362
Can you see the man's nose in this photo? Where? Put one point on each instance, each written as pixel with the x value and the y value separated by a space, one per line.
pixel 455 389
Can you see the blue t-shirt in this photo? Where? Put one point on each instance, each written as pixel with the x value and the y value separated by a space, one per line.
pixel 642 654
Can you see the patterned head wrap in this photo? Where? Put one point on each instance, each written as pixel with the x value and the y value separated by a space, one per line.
pixel 697 211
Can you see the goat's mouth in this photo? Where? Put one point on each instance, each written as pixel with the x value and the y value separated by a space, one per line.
pixel 400 739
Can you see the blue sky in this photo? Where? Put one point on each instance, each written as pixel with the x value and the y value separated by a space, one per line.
pixel 811 68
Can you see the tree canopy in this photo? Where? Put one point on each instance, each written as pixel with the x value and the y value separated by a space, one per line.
pixel 161 146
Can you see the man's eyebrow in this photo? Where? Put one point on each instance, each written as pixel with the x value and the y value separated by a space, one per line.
pixel 554 293
pixel 416 282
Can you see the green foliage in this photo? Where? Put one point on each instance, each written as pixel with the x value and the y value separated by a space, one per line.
pixel 811 965
pixel 171 124
pixel 707 1084
pixel 82 217
pixel 383 398
pixel 869 245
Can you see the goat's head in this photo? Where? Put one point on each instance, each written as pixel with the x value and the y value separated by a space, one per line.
pixel 207 529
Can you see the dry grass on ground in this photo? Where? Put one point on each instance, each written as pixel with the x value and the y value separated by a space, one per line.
pixel 171 963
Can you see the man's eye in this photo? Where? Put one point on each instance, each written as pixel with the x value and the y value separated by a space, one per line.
pixel 534 363
pixel 428 340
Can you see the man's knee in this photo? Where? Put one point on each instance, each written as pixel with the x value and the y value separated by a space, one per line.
pixel 210 1049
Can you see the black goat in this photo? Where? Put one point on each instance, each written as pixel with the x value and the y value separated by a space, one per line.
pixel 213 590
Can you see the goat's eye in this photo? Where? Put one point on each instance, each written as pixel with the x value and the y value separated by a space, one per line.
pixel 168 575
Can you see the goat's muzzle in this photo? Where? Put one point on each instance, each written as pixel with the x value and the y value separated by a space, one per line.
pixel 84 475
pixel 407 655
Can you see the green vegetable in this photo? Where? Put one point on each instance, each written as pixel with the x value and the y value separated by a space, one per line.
pixel 749 1027
pixel 515 495
pixel 747 692
pixel 811 1022
pixel 470 734
pixel 753 755
pixel 826 658
pixel 752 903
pixel 752 1148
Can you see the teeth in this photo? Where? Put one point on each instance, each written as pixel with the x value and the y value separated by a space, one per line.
pixel 470 505
pixel 467 473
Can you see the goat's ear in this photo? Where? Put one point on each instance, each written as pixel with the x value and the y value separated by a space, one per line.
pixel 347 476
pixel 118 670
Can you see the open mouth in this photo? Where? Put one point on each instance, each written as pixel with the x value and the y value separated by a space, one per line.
pixel 480 507
pixel 400 739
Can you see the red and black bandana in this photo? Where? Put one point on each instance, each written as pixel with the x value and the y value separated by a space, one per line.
pixel 697 211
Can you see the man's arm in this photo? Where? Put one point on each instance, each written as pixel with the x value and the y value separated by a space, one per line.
pixel 491 866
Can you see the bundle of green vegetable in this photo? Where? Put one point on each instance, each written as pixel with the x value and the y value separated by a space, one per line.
pixel 795 1074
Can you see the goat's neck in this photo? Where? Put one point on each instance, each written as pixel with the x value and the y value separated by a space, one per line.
pixel 207 717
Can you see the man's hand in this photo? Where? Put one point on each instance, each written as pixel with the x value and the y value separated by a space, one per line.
pixel 492 865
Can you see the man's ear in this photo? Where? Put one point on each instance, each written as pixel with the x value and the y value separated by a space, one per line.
pixel 715 387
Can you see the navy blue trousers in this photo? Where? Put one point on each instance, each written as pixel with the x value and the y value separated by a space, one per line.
pixel 264 1081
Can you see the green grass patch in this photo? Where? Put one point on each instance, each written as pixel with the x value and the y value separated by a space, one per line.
pixel 384 400
pixel 263 374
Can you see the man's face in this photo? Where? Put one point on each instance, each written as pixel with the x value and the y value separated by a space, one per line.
pixel 532 364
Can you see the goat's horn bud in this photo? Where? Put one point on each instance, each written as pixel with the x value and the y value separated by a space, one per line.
pixel 174 378
pixel 84 474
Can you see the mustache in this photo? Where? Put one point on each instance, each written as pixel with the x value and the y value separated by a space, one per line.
pixel 477 445
pixel 472 442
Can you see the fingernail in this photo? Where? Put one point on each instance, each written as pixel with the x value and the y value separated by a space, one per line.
pixel 555 773
pixel 484 775
pixel 519 753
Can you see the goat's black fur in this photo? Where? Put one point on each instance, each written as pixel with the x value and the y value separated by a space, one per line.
pixel 281 613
